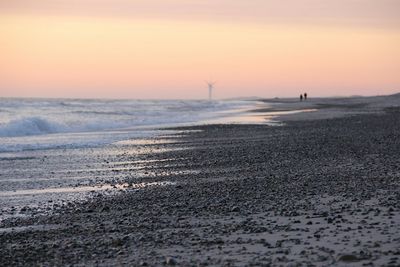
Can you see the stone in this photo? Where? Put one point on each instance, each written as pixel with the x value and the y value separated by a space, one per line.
pixel 170 261
pixel 235 209
pixel 348 258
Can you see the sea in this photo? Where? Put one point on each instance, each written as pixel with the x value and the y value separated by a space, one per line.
pixel 34 124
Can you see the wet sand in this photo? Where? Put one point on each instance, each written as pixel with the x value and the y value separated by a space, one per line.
pixel 315 191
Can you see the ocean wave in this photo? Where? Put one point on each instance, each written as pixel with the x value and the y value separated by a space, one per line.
pixel 28 117
pixel 30 126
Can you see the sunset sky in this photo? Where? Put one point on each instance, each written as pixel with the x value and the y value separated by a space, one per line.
pixel 167 48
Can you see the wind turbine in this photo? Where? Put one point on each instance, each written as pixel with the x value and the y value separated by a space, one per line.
pixel 210 88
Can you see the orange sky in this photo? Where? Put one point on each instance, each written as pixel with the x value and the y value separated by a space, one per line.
pixel 167 48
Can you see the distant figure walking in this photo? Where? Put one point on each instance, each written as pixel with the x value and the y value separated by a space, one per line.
pixel 305 96
pixel 301 97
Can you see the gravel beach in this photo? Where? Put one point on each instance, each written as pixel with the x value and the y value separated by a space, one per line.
pixel 311 192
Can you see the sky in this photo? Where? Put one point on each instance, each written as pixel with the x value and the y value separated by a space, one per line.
pixel 166 49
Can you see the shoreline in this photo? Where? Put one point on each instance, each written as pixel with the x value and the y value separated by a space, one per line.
pixel 329 108
pixel 311 192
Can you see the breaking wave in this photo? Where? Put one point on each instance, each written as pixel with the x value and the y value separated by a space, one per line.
pixel 30 126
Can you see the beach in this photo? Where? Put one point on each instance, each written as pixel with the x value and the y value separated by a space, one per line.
pixel 319 188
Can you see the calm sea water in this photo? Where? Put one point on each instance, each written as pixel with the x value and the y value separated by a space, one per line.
pixel 31 124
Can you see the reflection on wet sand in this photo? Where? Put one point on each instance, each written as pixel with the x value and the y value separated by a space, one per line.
pixel 268 118
pixel 81 189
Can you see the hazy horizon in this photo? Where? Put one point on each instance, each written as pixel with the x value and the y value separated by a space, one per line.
pixel 196 99
pixel 166 49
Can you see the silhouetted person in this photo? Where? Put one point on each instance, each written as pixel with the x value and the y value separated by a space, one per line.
pixel 305 96
pixel 301 97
